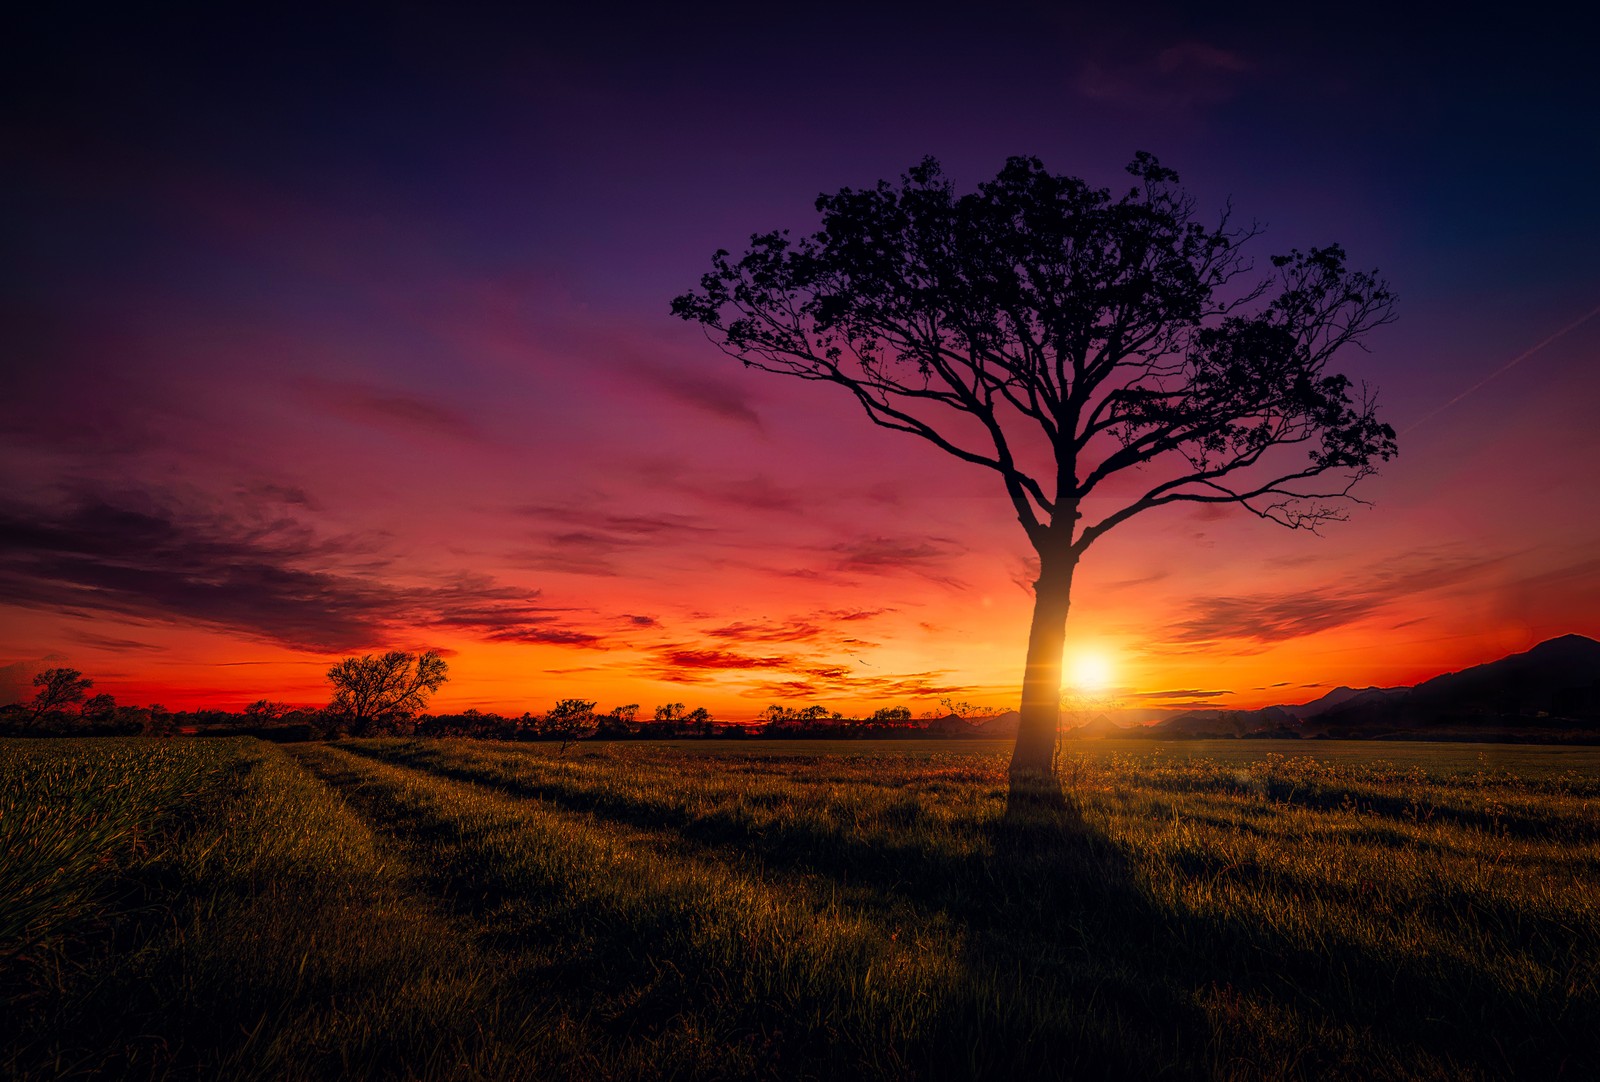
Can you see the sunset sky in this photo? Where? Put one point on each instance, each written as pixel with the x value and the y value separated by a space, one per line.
pixel 331 335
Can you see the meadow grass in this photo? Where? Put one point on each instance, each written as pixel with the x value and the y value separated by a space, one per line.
pixel 71 817
pixel 453 909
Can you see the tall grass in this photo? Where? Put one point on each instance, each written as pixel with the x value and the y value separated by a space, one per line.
pixel 272 937
pixel 74 815
pixel 1286 916
pixel 684 963
pixel 433 910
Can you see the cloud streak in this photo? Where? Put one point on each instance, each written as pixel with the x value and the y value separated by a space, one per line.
pixel 1267 618
pixel 387 408
pixel 708 394
pixel 686 664
pixel 580 541
pixel 266 579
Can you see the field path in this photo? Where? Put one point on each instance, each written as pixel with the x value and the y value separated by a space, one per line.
pixel 691 960
pixel 1089 936
pixel 436 910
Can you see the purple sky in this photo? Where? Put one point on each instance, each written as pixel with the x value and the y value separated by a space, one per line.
pixel 326 334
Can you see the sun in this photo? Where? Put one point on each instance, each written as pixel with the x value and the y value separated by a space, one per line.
pixel 1089 670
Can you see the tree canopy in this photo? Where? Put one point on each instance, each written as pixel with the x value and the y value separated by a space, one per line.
pixel 1104 354
pixel 58 689
pixel 373 694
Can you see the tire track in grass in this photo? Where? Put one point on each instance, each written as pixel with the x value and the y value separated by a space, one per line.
pixel 859 846
pixel 1079 998
pixel 270 937
pixel 738 952
pixel 517 1027
pixel 1267 951
pixel 310 940
pixel 707 969
pixel 303 942
pixel 842 835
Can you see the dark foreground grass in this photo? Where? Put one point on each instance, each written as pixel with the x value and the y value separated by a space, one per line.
pixel 414 909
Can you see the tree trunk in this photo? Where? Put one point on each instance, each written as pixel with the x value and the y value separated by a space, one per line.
pixel 1034 756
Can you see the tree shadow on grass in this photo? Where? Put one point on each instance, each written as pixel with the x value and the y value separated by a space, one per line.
pixel 1072 967
pixel 1207 989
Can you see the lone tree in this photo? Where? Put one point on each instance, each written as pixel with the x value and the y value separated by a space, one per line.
pixel 570 720
pixel 372 695
pixel 1080 345
pixel 58 689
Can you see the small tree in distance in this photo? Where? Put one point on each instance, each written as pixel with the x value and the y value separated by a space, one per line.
pixel 99 710
pixel 617 722
pixel 699 720
pixel 58 689
pixel 1101 354
pixel 265 711
pixel 570 720
pixel 374 695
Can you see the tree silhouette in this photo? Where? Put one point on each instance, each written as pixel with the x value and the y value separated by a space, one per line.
pixel 376 694
pixel 1066 338
pixel 98 710
pixel 568 721
pixel 699 720
pixel 618 722
pixel 58 689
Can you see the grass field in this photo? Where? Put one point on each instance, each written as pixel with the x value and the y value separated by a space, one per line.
pixel 415 909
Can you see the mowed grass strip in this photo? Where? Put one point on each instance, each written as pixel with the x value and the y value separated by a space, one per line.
pixel 432 910
pixel 713 970
pixel 1360 930
pixel 272 937
pixel 816 979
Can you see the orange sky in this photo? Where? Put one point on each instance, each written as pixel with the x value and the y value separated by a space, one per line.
pixel 784 552
pixel 365 344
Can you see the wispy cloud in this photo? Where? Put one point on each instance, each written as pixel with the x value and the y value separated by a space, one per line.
pixel 684 664
pixel 267 578
pixel 924 557
pixel 1267 618
pixel 107 642
pixel 822 684
pixel 583 541
pixel 747 631
pixel 758 492
pixel 852 615
pixel 1180 693
pixel 716 395
pixel 691 658
pixel 389 408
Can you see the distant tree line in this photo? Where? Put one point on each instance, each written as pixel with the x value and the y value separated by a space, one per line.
pixel 61 704
pixel 387 695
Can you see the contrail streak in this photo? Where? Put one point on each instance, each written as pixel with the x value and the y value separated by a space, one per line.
pixel 1508 366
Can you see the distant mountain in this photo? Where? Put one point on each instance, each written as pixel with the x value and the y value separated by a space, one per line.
pixel 1551 692
pixel 1560 676
pixel 999 725
pixel 1098 728
pixel 1224 722
pixel 1338 697
pixel 952 724
pixel 1557 680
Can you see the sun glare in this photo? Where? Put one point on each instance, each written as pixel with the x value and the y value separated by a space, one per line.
pixel 1089 671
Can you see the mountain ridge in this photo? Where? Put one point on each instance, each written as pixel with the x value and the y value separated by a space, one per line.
pixel 1554 685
